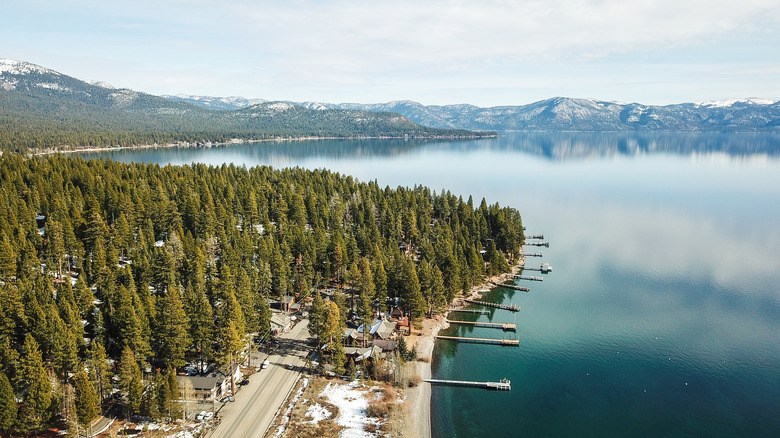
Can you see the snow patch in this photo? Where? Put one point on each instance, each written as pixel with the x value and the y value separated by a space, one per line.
pixel 352 403
pixel 21 68
pixel 317 413
pixel 280 106
pixel 730 102
pixel 52 86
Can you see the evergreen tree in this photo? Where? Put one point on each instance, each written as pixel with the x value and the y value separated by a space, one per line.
pixel 87 402
pixel 130 380
pixel 7 405
pixel 36 387
pixel 99 370
pixel 171 329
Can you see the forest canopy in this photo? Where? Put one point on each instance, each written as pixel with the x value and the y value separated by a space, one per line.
pixel 178 263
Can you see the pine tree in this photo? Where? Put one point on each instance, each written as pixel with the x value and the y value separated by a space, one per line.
pixel 7 404
pixel 87 402
pixel 130 380
pixel 99 370
pixel 171 329
pixel 316 317
pixel 36 387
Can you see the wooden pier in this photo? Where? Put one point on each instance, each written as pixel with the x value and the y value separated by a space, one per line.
pixel 499 325
pixel 510 307
pixel 511 286
pixel 505 342
pixel 544 268
pixel 545 244
pixel 535 237
pixel 527 277
pixel 479 312
pixel 502 385
pixel 533 254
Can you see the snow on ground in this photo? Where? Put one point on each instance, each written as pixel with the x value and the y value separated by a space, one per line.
pixel 317 413
pixel 286 418
pixel 352 403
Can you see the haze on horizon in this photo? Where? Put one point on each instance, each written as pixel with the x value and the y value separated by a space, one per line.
pixel 485 53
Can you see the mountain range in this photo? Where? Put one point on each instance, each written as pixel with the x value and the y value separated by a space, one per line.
pixel 41 109
pixel 568 114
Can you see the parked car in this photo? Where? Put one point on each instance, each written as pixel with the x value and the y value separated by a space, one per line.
pixel 209 415
pixel 265 364
pixel 201 415
pixel 226 399
pixel 244 382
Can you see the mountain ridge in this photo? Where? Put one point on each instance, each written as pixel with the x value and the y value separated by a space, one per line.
pixel 42 110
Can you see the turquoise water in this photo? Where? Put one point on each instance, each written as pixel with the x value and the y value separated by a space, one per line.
pixel 662 315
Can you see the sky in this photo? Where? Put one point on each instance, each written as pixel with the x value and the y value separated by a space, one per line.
pixel 436 52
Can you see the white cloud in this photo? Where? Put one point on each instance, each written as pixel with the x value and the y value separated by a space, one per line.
pixel 439 51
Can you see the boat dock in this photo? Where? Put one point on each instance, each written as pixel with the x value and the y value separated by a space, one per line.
pixel 502 385
pixel 511 286
pixel 527 277
pixel 535 237
pixel 533 254
pixel 545 244
pixel 499 325
pixel 505 342
pixel 544 268
pixel 510 307
pixel 479 312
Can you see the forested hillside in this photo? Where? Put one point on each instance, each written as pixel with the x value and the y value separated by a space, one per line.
pixel 177 264
pixel 42 109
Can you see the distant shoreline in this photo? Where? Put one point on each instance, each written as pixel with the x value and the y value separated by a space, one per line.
pixel 205 145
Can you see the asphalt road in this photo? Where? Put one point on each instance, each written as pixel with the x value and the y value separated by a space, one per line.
pixel 255 406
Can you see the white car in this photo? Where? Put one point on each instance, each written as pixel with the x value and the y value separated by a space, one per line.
pixel 201 415
pixel 265 364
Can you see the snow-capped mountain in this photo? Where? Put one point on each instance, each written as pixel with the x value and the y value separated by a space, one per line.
pixel 570 114
pixel 215 103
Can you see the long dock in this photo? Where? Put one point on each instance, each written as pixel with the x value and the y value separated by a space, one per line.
pixel 535 236
pixel 502 385
pixel 480 312
pixel 533 254
pixel 544 268
pixel 545 244
pixel 499 325
pixel 511 307
pixel 511 286
pixel 505 342
pixel 527 277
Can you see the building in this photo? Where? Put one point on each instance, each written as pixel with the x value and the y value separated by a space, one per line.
pixel 378 330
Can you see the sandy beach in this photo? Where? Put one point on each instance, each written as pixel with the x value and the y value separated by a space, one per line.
pixel 419 398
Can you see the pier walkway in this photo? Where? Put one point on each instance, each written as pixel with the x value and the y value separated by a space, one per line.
pixel 499 325
pixel 502 385
pixel 506 342
pixel 479 312
pixel 510 307
pixel 511 286
pixel 526 277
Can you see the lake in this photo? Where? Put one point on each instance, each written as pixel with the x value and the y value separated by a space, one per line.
pixel 662 315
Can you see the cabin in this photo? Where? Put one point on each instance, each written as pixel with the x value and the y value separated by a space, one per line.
pixel 380 329
pixel 280 323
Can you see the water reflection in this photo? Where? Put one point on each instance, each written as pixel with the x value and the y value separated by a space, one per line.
pixel 551 146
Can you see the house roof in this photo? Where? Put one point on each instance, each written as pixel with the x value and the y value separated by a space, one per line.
pixel 203 383
pixel 382 328
pixel 280 320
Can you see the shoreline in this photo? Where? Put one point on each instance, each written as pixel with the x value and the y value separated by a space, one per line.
pixel 235 141
pixel 419 397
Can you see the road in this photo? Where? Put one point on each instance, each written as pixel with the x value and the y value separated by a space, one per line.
pixel 255 406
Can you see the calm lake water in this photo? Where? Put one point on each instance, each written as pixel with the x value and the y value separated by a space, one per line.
pixel 662 315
